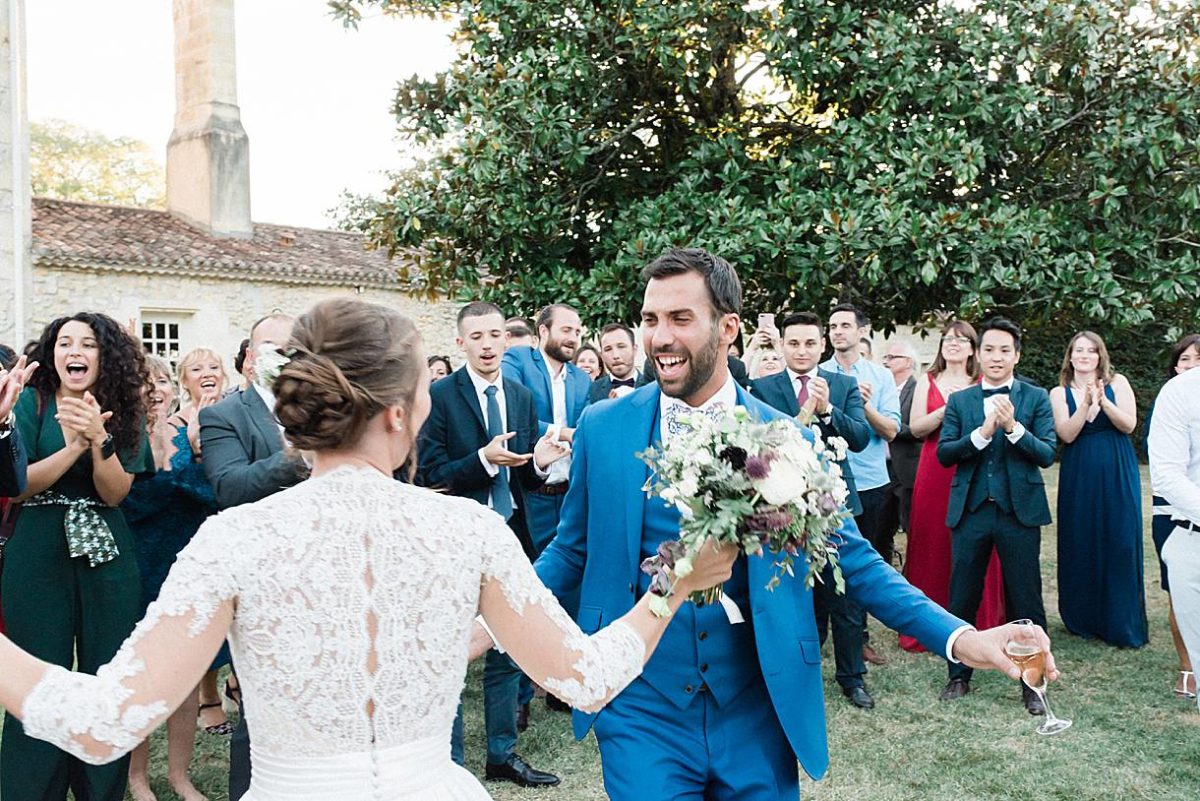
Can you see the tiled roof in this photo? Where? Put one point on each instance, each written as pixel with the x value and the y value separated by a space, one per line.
pixel 88 235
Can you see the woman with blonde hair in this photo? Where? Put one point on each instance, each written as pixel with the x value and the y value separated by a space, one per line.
pixel 1100 592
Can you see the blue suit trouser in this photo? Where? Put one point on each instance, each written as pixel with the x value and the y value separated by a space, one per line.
pixel 649 748
pixel 501 684
pixel 1019 548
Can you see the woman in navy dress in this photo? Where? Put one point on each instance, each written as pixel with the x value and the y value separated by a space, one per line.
pixel 164 511
pixel 1100 592
pixel 1184 356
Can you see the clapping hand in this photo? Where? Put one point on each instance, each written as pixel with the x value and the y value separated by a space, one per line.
pixel 1006 413
pixel 548 450
pixel 985 649
pixel 193 426
pixel 866 390
pixel 818 393
pixel 82 421
pixel 990 422
pixel 11 384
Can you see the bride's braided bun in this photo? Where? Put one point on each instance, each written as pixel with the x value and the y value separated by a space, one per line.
pixel 350 360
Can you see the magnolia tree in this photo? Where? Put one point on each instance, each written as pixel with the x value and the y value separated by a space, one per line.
pixel 1034 156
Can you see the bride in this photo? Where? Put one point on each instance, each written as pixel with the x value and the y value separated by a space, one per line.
pixel 348 600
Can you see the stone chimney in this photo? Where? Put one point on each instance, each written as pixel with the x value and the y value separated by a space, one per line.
pixel 208 157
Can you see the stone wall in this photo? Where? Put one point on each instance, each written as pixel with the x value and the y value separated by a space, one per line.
pixel 14 175
pixel 212 312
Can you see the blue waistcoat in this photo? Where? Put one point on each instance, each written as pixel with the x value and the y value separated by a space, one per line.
pixel 700 647
pixel 990 481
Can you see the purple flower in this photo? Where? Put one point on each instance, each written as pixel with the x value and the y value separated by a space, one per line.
pixel 827 503
pixel 769 520
pixel 758 467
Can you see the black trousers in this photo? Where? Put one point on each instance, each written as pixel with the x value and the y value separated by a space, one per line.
pixel 239 756
pixel 1019 549
pixel 848 622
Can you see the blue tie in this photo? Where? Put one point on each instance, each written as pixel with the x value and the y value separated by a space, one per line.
pixel 501 497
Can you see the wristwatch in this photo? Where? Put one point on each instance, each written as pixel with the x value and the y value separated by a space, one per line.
pixel 107 448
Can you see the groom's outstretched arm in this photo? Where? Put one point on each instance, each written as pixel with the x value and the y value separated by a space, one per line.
pixel 560 567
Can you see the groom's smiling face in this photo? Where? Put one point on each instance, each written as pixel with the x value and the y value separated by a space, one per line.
pixel 686 337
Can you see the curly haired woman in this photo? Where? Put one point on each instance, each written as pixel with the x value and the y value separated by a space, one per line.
pixel 71 592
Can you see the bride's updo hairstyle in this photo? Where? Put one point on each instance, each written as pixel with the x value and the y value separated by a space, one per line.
pixel 350 360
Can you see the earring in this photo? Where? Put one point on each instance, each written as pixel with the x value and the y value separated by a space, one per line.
pixel 397 428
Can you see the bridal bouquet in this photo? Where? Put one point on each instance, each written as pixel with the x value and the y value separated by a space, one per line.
pixel 752 484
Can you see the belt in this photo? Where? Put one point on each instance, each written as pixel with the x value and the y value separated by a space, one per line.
pixel 552 489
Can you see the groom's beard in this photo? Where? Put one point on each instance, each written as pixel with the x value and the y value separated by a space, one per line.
pixel 700 366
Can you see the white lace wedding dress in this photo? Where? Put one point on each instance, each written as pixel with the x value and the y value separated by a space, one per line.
pixel 348 601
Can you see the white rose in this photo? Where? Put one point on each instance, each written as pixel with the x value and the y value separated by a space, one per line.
pixel 687 488
pixel 783 485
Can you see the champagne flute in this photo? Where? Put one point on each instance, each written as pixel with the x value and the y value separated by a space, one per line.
pixel 1028 656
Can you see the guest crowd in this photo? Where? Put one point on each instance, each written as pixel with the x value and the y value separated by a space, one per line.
pixel 111 458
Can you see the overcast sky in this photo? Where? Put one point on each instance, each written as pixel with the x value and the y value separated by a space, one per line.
pixel 314 97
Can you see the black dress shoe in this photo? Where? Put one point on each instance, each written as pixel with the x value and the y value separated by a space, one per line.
pixel 518 771
pixel 859 697
pixel 523 717
pixel 556 705
pixel 1033 703
pixel 954 689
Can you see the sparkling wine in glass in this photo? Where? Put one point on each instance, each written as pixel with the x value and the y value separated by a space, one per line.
pixel 1029 657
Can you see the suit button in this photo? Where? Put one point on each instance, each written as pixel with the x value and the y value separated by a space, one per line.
pixel 702 636
pixel 704 668
pixel 631 588
pixel 689 689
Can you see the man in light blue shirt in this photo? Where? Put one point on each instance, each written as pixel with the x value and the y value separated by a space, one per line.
pixel 847 326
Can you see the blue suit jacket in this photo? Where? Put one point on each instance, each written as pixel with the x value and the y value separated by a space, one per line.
pixel 598 550
pixel 847 416
pixel 455 431
pixel 13 464
pixel 527 367
pixel 1023 460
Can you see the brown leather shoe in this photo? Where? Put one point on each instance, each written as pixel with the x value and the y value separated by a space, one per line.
pixel 870 655
pixel 955 689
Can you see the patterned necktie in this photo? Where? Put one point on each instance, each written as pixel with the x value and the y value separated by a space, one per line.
pixel 501 496
pixel 802 395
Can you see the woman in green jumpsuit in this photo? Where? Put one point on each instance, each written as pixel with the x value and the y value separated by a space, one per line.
pixel 70 591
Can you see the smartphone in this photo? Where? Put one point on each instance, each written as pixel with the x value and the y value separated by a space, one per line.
pixel 766 321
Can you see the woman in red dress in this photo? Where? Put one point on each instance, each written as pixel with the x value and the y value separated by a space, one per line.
pixel 927 564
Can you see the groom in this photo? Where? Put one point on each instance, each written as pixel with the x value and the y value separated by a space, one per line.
pixel 722 710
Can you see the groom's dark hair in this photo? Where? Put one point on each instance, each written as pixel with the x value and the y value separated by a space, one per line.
pixel 724 286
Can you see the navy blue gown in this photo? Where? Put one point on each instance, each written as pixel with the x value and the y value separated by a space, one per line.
pixel 1100 592
pixel 165 511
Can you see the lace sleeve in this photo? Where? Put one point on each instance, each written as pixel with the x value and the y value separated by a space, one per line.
pixel 100 718
pixel 529 623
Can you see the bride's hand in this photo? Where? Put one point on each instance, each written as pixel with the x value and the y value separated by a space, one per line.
pixel 710 567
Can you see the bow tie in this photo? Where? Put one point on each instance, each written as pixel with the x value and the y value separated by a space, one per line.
pixel 624 382
pixel 987 393
pixel 673 422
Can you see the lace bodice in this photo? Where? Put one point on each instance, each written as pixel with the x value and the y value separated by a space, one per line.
pixel 348 601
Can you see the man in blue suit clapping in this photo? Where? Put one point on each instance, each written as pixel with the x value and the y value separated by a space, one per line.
pixel 723 709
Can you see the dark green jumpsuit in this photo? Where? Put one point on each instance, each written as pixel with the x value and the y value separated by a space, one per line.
pixel 63 610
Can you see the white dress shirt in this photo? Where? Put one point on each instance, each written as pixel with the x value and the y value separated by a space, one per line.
pixel 1175 446
pixel 977 437
pixel 560 471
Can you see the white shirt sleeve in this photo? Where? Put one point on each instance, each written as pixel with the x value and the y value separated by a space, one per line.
pixel 979 440
pixel 1017 432
pixel 1172 441
pixel 958 632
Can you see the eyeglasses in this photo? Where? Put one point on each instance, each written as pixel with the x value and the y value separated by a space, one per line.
pixel 891 357
pixel 956 339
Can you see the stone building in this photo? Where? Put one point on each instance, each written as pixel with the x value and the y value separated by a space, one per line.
pixel 201 272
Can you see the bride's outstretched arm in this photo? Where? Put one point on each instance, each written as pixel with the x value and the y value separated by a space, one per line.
pixel 585 671
pixel 99 718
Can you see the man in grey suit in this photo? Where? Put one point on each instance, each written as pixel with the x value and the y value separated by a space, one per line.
pixel 245 459
pixel 904 452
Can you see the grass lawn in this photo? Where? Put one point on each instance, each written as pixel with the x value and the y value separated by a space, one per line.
pixel 1132 739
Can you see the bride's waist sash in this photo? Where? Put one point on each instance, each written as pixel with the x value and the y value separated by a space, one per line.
pixel 397 772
